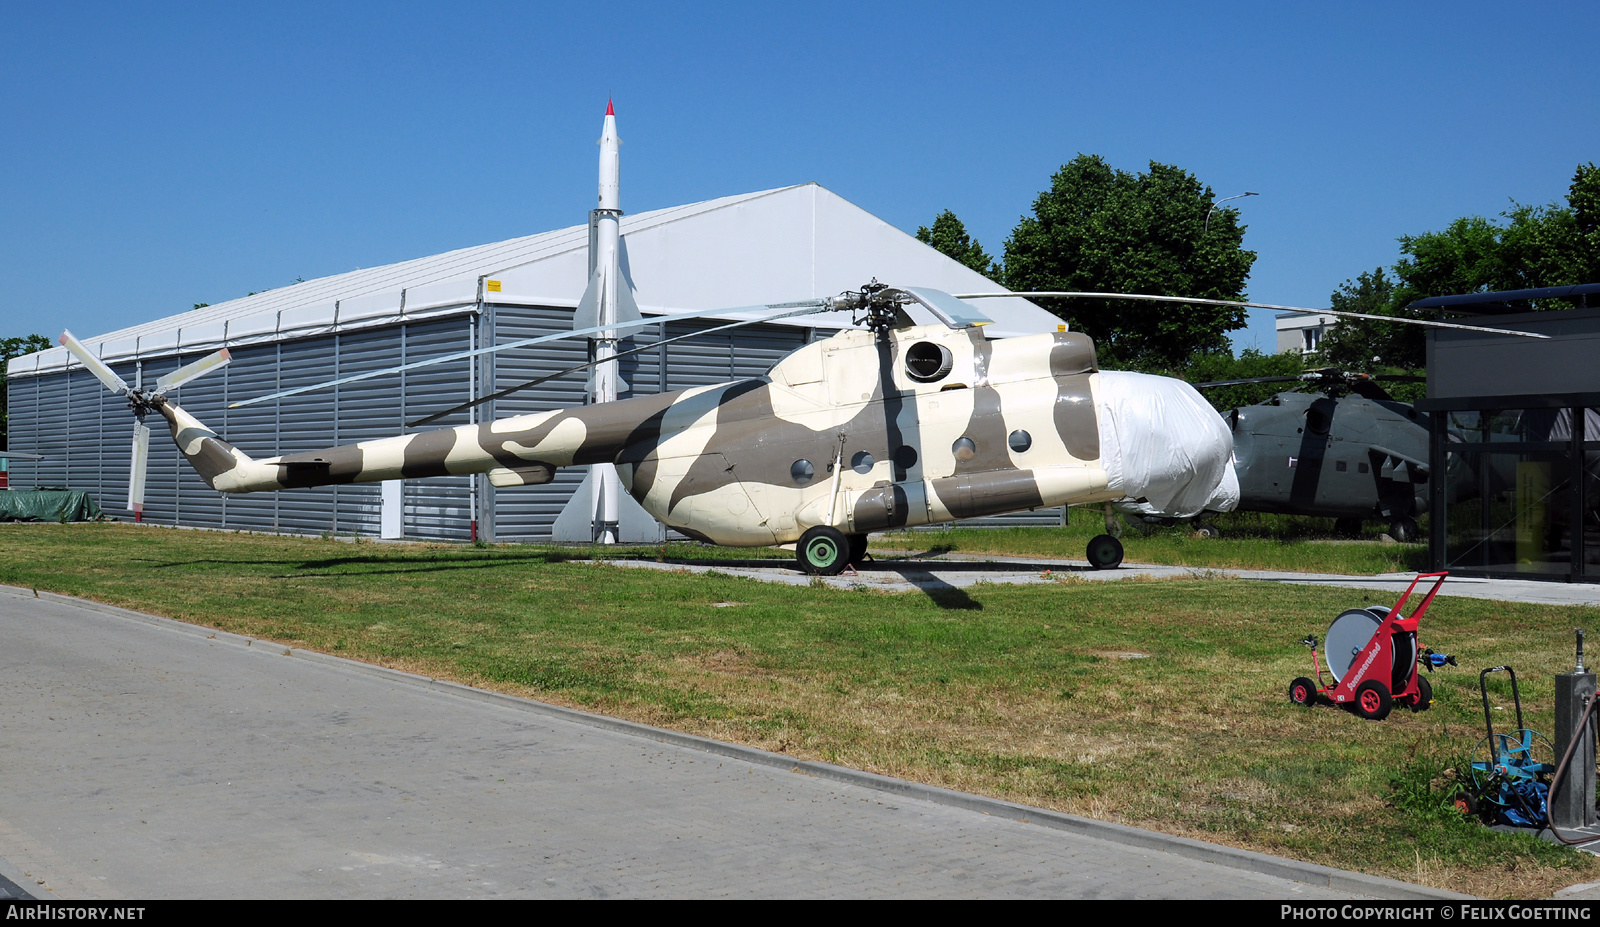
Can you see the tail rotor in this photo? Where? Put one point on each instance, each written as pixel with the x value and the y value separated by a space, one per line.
pixel 141 402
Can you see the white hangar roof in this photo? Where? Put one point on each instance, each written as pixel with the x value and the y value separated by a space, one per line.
pixel 779 245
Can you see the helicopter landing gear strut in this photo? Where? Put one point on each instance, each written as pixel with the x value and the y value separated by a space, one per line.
pixel 1113 523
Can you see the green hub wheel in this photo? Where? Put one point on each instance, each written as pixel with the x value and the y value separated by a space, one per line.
pixel 823 551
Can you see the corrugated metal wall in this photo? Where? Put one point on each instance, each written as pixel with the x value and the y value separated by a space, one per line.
pixel 86 433
pixel 92 453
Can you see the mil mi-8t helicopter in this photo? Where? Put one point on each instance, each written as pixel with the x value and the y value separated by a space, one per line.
pixel 892 425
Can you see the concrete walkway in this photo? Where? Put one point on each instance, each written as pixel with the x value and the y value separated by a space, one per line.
pixel 150 759
pixel 907 572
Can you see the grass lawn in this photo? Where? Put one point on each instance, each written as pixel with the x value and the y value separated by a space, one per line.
pixel 1160 704
pixel 1250 541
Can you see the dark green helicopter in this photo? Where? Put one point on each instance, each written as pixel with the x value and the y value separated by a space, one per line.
pixel 1349 451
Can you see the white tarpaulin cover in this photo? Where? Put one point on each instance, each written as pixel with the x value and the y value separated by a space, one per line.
pixel 1162 443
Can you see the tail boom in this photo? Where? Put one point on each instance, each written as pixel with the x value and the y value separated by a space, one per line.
pixel 520 449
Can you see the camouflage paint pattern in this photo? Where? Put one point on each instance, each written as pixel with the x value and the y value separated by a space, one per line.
pixel 838 433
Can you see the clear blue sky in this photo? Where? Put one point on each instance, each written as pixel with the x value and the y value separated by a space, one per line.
pixel 155 156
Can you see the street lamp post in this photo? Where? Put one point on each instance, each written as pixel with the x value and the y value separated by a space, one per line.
pixel 1218 204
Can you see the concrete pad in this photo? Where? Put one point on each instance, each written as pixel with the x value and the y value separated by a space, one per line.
pixel 153 759
pixel 959 571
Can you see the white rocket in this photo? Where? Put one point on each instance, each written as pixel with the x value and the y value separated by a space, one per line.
pixel 606 301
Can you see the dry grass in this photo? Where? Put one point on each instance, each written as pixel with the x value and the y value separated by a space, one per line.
pixel 1158 704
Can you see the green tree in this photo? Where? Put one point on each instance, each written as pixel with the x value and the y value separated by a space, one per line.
pixel 1584 199
pixel 1211 368
pixel 1105 230
pixel 949 237
pixel 1360 344
pixel 1535 246
pixel 9 348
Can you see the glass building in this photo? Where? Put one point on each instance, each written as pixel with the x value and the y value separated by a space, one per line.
pixel 1516 437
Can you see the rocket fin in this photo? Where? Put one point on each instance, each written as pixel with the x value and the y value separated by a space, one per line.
pixel 627 309
pixel 587 314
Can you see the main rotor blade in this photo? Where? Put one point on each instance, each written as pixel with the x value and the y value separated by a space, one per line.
pixel 188 372
pixel 136 471
pixel 583 366
pixel 101 372
pixel 1230 302
pixel 1247 381
pixel 804 307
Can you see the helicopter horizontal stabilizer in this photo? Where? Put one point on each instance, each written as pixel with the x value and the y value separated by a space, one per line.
pixel 530 475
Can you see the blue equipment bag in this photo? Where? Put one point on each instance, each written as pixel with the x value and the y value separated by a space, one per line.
pixel 1523 798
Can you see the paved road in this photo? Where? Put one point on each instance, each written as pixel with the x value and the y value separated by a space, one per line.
pixel 144 759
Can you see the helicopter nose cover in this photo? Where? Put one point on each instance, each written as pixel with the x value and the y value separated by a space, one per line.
pixel 1161 443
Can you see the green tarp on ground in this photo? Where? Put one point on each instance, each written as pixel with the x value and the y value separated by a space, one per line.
pixel 49 505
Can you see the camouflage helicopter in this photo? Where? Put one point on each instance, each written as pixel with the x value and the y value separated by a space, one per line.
pixel 892 425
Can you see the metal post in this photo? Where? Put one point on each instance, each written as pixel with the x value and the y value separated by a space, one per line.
pixel 1580 501
pixel 1573 806
pixel 1438 492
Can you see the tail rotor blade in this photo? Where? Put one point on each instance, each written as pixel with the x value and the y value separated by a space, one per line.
pixel 101 372
pixel 141 459
pixel 199 368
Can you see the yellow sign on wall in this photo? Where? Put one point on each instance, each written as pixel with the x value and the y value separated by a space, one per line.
pixel 492 285
pixel 1533 487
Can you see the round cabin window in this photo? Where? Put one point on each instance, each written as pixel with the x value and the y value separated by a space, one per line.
pixel 927 362
pixel 964 449
pixel 1019 440
pixel 862 462
pixel 802 471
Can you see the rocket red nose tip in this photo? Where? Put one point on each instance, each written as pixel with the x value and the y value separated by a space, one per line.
pixel 609 110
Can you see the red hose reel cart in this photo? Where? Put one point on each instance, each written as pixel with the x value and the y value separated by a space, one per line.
pixel 1372 656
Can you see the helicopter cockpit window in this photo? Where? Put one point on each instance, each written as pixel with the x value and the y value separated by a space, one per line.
pixel 927 362
pixel 862 462
pixel 802 471
pixel 964 449
pixel 1019 440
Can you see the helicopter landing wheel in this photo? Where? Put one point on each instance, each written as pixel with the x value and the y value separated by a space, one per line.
pixel 1105 552
pixel 858 549
pixel 823 551
pixel 1347 527
pixel 1206 532
pixel 1404 529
